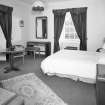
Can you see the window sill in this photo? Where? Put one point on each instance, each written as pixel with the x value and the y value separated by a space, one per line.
pixel 70 42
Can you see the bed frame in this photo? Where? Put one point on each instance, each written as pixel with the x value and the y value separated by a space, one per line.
pixel 100 84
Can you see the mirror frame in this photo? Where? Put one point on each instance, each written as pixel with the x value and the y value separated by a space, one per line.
pixel 41 17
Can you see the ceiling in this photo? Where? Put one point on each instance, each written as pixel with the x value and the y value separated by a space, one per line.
pixel 32 1
pixel 29 1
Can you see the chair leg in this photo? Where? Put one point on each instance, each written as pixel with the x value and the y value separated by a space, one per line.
pixel 39 54
pixel 34 55
pixel 23 59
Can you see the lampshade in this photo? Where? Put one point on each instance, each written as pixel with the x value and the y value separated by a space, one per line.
pixel 38 6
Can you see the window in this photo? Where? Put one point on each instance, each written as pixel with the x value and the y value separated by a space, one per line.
pixel 69 35
pixel 70 32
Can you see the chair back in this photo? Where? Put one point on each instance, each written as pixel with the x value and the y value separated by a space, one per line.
pixel 19 47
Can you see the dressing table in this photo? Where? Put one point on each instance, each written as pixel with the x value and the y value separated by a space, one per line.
pixel 47 46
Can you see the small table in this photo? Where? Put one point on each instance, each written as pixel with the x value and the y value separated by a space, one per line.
pixel 11 53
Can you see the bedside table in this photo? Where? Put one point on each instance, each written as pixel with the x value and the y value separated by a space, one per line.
pixel 100 84
pixel 71 48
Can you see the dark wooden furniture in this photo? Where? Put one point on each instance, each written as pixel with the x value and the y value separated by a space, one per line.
pixel 47 46
pixel 100 84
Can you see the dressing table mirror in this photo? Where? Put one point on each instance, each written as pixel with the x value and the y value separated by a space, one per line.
pixel 41 27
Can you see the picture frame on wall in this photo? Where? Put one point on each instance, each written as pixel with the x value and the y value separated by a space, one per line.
pixel 21 23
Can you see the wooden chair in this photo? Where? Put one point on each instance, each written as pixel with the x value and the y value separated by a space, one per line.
pixel 34 50
pixel 20 54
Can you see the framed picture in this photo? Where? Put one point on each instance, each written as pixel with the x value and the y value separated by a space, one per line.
pixel 21 23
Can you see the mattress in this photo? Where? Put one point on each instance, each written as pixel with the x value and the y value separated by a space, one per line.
pixel 72 63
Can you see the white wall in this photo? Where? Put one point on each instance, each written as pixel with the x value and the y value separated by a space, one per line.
pixel 95 20
pixel 20 10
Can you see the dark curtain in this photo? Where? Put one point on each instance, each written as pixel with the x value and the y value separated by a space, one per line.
pixel 44 30
pixel 59 17
pixel 79 16
pixel 6 23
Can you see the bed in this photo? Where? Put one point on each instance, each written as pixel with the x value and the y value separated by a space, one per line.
pixel 74 64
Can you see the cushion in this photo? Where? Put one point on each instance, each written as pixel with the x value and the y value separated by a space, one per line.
pixel 17 101
pixel 6 96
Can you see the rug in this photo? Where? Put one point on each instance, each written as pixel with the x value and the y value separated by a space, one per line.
pixel 33 90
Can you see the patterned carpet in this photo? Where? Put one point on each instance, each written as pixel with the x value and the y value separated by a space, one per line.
pixel 34 91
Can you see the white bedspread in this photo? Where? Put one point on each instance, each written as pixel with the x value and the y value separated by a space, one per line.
pixel 81 64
